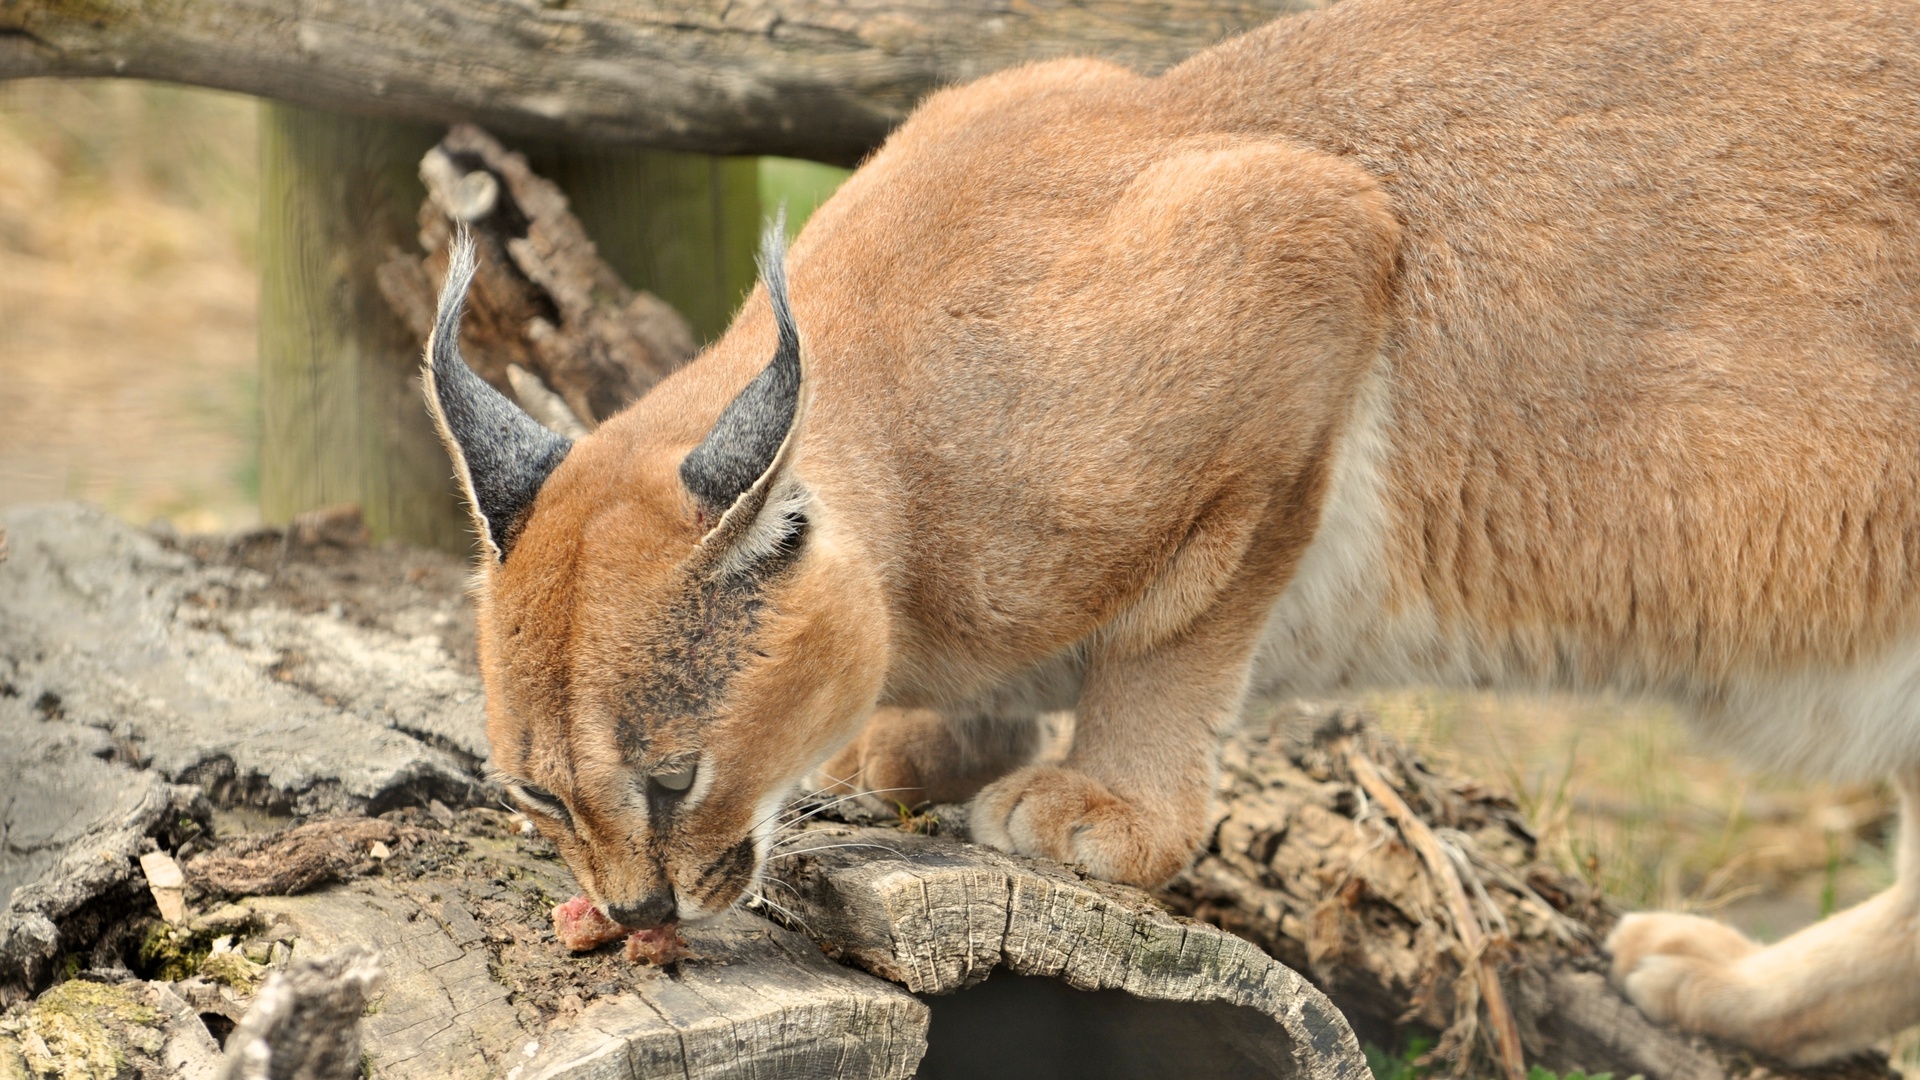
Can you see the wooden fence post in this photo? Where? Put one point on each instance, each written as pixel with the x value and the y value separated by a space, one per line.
pixel 341 415
pixel 341 418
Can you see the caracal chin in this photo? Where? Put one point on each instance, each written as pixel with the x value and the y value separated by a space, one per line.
pixel 1496 343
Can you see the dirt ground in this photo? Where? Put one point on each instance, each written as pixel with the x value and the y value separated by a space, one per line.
pixel 127 352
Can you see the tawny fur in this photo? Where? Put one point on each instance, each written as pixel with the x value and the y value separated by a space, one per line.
pixel 1508 343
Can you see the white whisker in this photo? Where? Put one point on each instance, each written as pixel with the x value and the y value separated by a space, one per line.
pixel 761 899
pixel 800 800
pixel 776 881
pixel 830 847
pixel 824 807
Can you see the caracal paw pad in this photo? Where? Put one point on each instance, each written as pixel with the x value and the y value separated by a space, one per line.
pixel 1064 814
pixel 1646 935
pixel 1681 970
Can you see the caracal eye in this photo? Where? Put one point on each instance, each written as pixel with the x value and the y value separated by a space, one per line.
pixel 676 779
pixel 543 801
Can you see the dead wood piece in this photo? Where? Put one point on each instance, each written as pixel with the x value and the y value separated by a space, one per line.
pixel 542 300
pixel 476 985
pixel 1339 852
pixel 299 859
pixel 74 828
pixel 938 916
pixel 85 1030
pixel 804 78
pixel 305 1024
pixel 314 680
pixel 1466 924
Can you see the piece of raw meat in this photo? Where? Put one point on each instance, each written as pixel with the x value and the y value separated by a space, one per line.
pixel 580 926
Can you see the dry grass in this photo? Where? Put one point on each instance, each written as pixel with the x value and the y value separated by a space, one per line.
pixel 1622 793
pixel 127 299
pixel 127 344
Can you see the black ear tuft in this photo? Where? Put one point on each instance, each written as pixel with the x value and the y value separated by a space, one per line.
pixel 746 439
pixel 500 454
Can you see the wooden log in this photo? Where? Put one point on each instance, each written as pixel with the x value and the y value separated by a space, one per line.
pixel 199 671
pixel 938 916
pixel 475 984
pixel 804 78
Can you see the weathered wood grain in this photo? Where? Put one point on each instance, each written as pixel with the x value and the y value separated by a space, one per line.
pixel 805 78
pixel 937 916
pixel 476 986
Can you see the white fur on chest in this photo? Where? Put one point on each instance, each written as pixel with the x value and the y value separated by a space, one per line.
pixel 1850 723
pixel 1337 628
pixel 1332 630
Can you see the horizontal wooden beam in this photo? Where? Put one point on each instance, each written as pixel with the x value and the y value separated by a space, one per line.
pixel 824 79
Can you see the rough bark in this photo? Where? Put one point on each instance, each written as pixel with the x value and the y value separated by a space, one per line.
pixel 1305 863
pixel 228 673
pixel 305 1022
pixel 804 78
pixel 937 915
pixel 542 300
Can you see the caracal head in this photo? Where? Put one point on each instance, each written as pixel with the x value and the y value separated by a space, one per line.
pixel 671 632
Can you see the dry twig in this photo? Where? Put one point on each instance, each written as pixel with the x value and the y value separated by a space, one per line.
pixel 1506 1034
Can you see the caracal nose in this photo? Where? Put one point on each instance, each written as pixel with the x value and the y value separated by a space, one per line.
pixel 645 913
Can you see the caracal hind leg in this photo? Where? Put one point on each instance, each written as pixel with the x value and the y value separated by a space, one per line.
pixel 914 756
pixel 1131 800
pixel 1826 992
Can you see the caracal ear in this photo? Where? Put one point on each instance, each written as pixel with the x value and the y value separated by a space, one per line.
pixel 501 456
pixel 735 473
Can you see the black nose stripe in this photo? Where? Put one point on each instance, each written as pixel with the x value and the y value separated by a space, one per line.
pixel 726 878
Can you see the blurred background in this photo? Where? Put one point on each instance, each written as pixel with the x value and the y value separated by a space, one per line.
pixel 130 227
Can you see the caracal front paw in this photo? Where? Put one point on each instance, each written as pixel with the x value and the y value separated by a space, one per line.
pixel 1061 813
pixel 1681 970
